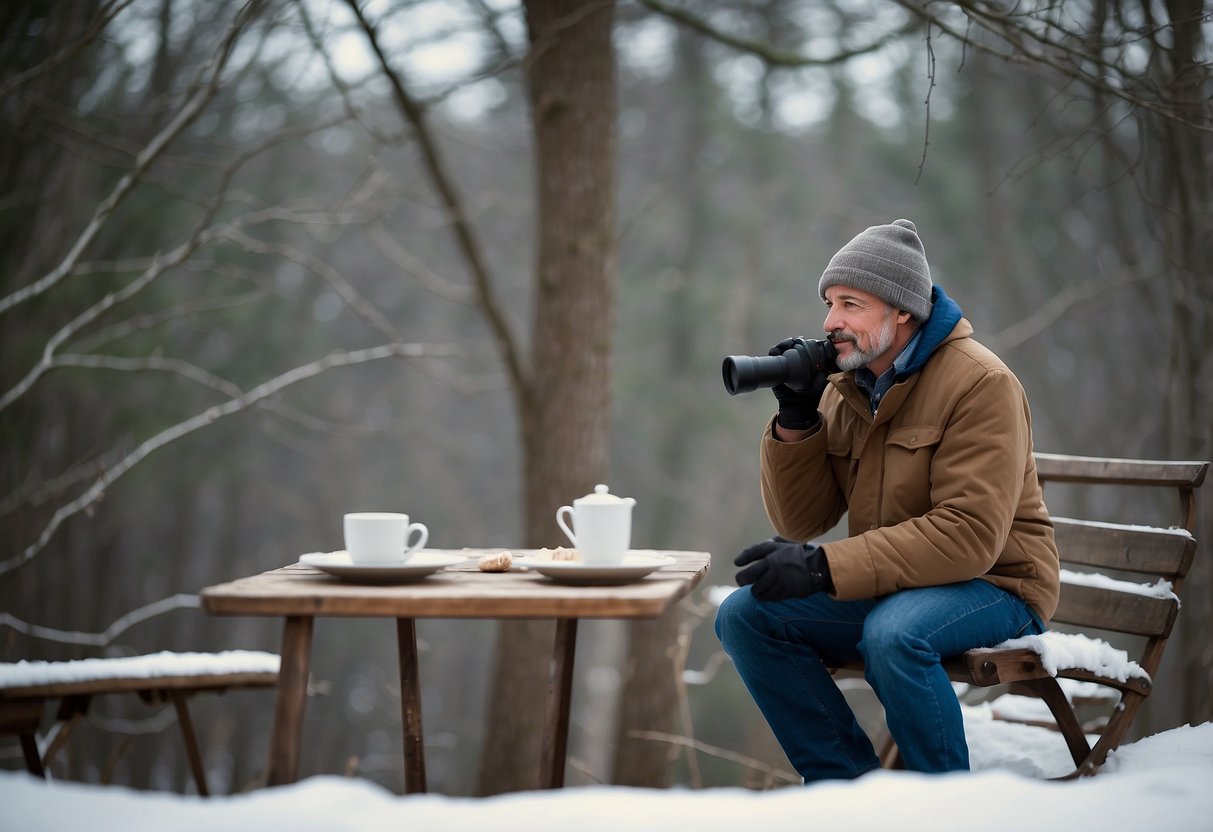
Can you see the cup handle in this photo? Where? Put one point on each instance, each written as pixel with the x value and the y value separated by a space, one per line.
pixel 423 536
pixel 560 512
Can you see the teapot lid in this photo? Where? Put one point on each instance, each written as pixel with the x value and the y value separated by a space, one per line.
pixel 601 496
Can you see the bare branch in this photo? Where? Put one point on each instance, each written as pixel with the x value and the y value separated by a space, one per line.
pixel 96 26
pixel 343 89
pixel 361 306
pixel 186 116
pixel 37 493
pixel 150 363
pixel 148 321
pixel 209 417
pixel 464 235
pixel 404 259
pixel 159 264
pixel 1030 47
pixel 1050 312
pixel 767 52
pixel 106 636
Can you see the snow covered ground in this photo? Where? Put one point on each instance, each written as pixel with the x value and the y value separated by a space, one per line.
pixel 1164 782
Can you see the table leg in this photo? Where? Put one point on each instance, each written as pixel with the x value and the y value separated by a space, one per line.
pixel 410 706
pixel 556 716
pixel 292 698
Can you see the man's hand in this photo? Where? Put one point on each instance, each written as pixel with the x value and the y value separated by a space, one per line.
pixel 779 569
pixel 797 408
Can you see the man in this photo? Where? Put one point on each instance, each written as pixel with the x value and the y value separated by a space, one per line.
pixel 924 441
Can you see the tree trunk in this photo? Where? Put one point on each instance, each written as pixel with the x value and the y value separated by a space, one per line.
pixel 565 415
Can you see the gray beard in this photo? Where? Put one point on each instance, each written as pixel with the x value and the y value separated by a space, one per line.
pixel 884 342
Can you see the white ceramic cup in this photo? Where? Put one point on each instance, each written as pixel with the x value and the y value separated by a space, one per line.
pixel 382 537
pixel 601 534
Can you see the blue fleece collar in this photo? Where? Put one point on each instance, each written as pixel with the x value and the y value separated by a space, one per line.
pixel 945 314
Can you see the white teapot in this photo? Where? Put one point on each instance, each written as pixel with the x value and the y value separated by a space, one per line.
pixel 602 525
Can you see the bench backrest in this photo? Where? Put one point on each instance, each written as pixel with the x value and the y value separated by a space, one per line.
pixel 1124 577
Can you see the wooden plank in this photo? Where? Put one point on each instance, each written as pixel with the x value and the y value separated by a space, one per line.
pixel 21 716
pixel 1122 612
pixel 195 682
pixel 456 593
pixel 1149 551
pixel 1112 471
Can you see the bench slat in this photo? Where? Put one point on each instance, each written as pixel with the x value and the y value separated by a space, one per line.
pixel 1121 612
pixel 1165 553
pixel 1109 471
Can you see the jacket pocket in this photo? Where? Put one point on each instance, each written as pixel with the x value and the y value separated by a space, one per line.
pixel 908 454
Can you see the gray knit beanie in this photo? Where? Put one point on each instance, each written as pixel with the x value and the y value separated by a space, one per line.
pixel 888 261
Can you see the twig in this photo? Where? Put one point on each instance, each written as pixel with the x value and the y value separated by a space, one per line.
pixel 926 130
pixel 770 771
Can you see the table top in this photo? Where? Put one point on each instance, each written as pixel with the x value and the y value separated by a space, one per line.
pixel 461 591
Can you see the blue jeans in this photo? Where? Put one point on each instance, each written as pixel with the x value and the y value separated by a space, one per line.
pixel 778 648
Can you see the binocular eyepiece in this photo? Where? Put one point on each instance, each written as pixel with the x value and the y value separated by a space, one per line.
pixel 798 367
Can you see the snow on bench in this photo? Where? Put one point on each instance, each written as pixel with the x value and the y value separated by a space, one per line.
pixel 1160 589
pixel 1072 651
pixel 25 674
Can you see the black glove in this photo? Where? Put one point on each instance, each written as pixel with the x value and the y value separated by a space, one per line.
pixel 798 408
pixel 780 569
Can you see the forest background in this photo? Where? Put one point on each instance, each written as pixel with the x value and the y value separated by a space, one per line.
pixel 265 262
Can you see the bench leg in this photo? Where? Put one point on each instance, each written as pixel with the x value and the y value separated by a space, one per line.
pixel 33 761
pixel 191 742
pixel 1063 714
pixel 292 698
pixel 410 706
pixel 556 715
pixel 71 710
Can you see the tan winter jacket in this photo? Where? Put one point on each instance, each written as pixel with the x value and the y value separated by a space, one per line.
pixel 940 486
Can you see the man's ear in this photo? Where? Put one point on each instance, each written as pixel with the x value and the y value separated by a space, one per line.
pixel 902 316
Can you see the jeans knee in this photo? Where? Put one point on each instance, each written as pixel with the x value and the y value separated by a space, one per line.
pixel 887 646
pixel 732 616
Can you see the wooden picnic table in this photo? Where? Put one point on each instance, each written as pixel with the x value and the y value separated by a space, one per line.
pixel 299 593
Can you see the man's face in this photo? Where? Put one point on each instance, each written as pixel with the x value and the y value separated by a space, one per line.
pixel 861 325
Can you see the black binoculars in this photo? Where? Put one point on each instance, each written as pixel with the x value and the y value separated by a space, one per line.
pixel 798 367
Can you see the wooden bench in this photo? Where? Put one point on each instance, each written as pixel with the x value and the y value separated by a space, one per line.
pixel 27 687
pixel 1121 581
